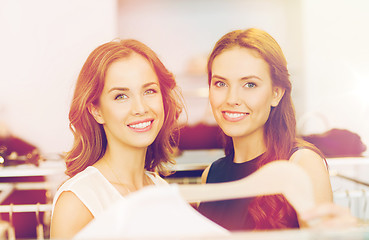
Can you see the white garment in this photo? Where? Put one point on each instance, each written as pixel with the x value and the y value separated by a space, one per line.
pixel 95 191
pixel 153 212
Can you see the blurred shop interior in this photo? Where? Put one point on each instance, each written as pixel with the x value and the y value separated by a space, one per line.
pixel 44 44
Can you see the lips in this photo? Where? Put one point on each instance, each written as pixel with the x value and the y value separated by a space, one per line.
pixel 234 116
pixel 141 126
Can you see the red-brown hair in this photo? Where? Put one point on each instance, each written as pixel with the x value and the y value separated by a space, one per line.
pixel 89 136
pixel 280 129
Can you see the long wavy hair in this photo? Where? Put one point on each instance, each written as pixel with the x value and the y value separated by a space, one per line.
pixel 89 136
pixel 268 212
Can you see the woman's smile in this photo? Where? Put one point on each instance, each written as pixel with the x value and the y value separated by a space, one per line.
pixel 234 116
pixel 141 126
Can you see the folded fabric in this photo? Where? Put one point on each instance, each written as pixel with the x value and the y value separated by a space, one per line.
pixel 338 143
pixel 152 212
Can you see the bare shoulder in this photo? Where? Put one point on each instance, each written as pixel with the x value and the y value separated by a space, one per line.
pixel 315 167
pixel 70 215
pixel 307 157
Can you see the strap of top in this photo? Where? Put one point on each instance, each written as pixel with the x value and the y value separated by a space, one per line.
pixel 295 149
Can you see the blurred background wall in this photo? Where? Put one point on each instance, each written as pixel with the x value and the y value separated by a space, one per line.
pixel 44 44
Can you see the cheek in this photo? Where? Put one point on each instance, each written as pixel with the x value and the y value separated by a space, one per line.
pixel 160 112
pixel 115 112
pixel 260 100
pixel 260 105
pixel 215 98
pixel 116 115
pixel 157 105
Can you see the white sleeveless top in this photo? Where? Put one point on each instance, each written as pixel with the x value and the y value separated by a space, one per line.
pixel 95 191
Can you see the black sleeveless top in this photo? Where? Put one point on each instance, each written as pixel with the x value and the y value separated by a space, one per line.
pixel 232 214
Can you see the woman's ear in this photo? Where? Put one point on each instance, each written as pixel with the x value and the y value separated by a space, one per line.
pixel 278 93
pixel 96 113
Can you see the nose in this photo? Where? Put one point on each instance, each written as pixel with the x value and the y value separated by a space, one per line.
pixel 233 98
pixel 139 107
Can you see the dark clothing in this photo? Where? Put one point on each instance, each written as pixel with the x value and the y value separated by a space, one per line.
pixel 25 152
pixel 15 144
pixel 232 214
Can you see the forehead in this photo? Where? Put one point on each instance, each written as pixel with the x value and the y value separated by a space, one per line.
pixel 131 70
pixel 238 62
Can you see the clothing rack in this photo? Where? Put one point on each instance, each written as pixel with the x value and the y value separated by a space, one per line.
pixel 350 179
pixel 7 188
pixel 25 208
pixel 352 193
pixel 26 185
pixel 355 193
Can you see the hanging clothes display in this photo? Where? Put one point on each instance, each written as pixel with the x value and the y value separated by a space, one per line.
pixel 158 211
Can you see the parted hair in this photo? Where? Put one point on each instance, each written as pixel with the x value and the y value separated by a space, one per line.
pixel 89 137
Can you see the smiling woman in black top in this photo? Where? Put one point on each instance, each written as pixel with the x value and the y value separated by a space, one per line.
pixel 250 96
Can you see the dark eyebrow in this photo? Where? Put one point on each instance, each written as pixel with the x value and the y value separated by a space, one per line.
pixel 150 83
pixel 217 76
pixel 118 89
pixel 127 89
pixel 250 77
pixel 243 78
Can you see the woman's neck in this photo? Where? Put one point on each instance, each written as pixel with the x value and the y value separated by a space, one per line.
pixel 248 147
pixel 123 165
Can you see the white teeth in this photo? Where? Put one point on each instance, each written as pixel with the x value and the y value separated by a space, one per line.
pixel 140 125
pixel 235 115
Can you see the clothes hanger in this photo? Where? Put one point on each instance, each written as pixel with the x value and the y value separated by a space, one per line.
pixel 143 207
pixel 39 226
pixel 11 230
pixel 277 177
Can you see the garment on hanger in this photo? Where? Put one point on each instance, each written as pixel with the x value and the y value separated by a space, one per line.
pixel 154 211
pixel 164 212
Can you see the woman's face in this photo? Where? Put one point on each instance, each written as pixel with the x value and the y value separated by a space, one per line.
pixel 130 106
pixel 242 93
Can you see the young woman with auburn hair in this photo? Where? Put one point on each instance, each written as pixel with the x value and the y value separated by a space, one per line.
pixel 250 96
pixel 123 116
